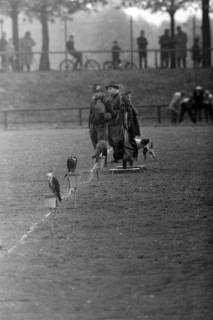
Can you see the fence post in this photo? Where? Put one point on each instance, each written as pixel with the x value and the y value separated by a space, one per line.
pixel 80 116
pixel 159 114
pixel 156 59
pixel 5 120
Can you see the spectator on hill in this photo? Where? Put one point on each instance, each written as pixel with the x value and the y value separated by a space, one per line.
pixel 165 49
pixel 70 46
pixel 3 45
pixel 180 47
pixel 196 53
pixel 26 52
pixel 116 51
pixel 142 43
pixel 10 54
pixel 99 115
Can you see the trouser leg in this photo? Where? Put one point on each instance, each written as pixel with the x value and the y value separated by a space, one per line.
pixel 182 112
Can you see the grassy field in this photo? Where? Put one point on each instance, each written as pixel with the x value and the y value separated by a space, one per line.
pixel 139 246
pixel 57 90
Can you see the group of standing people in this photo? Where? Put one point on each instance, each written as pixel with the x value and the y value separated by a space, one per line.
pixel 170 48
pixel 12 60
pixel 113 119
pixel 177 48
pixel 196 104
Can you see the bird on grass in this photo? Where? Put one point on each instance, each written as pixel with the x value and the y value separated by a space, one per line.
pixel 71 164
pixel 54 185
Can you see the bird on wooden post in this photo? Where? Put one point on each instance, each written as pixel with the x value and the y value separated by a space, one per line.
pixel 54 185
pixel 71 164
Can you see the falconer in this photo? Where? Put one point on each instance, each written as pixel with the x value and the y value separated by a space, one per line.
pixel 97 116
pixel 115 125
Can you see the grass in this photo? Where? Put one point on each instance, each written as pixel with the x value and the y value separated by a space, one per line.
pixel 139 246
pixel 57 90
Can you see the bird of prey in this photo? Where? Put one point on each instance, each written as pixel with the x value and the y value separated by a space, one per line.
pixel 54 185
pixel 71 163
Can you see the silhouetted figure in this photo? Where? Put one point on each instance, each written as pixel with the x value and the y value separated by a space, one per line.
pixel 70 46
pixel 198 98
pixel 196 53
pixel 10 55
pixel 165 49
pixel 180 47
pixel 142 50
pixel 3 45
pixel 26 51
pixel 208 105
pixel 116 51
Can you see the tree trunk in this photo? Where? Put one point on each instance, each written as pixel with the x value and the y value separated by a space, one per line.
pixel 172 29
pixel 14 16
pixel 206 34
pixel 44 60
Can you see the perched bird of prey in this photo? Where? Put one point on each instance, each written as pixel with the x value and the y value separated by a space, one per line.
pixel 72 163
pixel 54 185
pixel 100 150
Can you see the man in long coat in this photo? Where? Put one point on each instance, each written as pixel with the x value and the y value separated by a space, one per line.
pixel 26 51
pixel 124 126
pixel 115 125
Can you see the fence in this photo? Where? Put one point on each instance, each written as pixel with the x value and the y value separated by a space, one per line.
pixel 10 119
pixel 101 56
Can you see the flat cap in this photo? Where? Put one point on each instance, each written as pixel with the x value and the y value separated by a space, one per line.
pixel 113 84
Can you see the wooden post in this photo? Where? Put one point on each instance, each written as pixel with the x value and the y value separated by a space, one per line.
pixel 80 116
pixel 5 120
pixel 159 114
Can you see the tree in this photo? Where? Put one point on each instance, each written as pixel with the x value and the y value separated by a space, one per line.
pixel 12 8
pixel 206 34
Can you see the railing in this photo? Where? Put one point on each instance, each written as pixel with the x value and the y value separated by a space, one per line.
pixel 100 56
pixel 79 116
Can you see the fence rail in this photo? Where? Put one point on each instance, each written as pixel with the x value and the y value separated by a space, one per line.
pixel 79 116
pixel 100 56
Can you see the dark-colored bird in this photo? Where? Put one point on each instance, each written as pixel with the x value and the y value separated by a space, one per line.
pixel 54 185
pixel 72 163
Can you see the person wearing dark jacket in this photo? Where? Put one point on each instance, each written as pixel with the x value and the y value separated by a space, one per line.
pixel 131 129
pixel 115 130
pixel 196 53
pixel 142 43
pixel 116 51
pixel 70 46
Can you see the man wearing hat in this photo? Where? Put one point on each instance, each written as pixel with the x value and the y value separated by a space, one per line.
pixel 115 125
pixel 97 116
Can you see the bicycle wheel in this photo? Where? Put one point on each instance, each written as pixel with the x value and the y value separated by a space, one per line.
pixel 108 65
pixel 66 65
pixel 130 66
pixel 92 65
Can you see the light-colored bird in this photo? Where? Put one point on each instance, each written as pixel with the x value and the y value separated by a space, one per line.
pixel 54 185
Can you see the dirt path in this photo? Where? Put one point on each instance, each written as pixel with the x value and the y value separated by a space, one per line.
pixel 139 246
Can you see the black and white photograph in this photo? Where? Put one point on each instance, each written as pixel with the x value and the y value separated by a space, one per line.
pixel 106 144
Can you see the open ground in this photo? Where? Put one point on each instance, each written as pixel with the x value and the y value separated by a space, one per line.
pixel 138 246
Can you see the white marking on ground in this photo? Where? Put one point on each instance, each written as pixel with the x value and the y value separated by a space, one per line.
pixel 22 240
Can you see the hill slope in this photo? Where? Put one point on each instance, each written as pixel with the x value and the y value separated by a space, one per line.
pixel 57 90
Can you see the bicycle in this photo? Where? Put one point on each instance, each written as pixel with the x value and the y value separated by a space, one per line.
pixel 124 64
pixel 70 64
